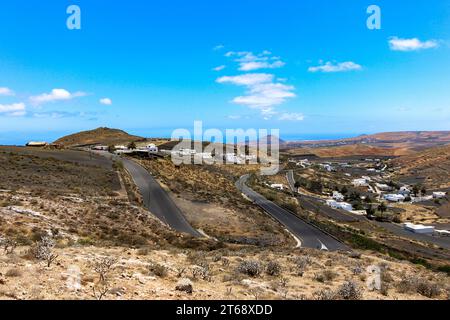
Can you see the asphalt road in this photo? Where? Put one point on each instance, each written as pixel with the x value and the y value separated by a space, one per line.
pixel 309 235
pixel 155 198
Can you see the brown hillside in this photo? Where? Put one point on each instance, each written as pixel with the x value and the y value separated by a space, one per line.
pixel 105 136
pixel 350 150
pixel 432 164
pixel 414 140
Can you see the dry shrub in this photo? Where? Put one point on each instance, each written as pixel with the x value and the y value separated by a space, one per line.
pixel 250 268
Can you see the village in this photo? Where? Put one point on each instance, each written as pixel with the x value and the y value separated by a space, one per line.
pixel 363 187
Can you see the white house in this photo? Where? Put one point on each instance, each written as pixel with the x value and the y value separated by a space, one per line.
pixel 394 197
pixel 100 148
pixel 404 191
pixel 277 186
pixel 359 212
pixel 338 196
pixel 360 182
pixel 332 203
pixel 421 199
pixel 419 228
pixel 346 206
pixel 439 195
pixel 120 148
pixel 232 158
pixel 383 187
pixel 152 148
pixel 442 233
pixel 339 205
pixel 37 144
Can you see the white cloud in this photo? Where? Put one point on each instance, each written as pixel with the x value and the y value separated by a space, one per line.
pixel 56 95
pixel 414 44
pixel 291 117
pixel 6 92
pixel 15 109
pixel 248 61
pixel 219 68
pixel 256 65
pixel 248 79
pixel 263 91
pixel 219 47
pixel 336 67
pixel 106 101
pixel 233 117
pixel 265 95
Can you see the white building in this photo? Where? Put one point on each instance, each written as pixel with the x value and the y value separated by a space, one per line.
pixel 419 228
pixel 439 195
pixel 37 144
pixel 152 148
pixel 327 167
pixel 360 182
pixel 421 199
pixel 359 212
pixel 339 205
pixel 394 197
pixel 404 191
pixel 442 233
pixel 383 187
pixel 120 147
pixel 100 148
pixel 338 196
pixel 277 186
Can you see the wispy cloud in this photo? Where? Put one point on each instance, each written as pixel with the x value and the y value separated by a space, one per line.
pixel 56 95
pixel 413 44
pixel 248 61
pixel 329 67
pixel 57 114
pixel 248 79
pixel 219 68
pixel 261 91
pixel 6 91
pixel 106 101
pixel 256 65
pixel 14 110
pixel 219 47
pixel 291 116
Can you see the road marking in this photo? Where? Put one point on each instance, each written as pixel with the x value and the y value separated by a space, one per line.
pixel 323 247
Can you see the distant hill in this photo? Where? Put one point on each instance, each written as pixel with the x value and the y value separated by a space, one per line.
pixel 348 150
pixel 104 136
pixel 387 143
pixel 430 167
pixel 418 139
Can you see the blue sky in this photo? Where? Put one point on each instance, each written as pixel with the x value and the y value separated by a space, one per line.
pixel 309 68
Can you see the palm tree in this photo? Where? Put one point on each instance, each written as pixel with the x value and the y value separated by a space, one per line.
pixel 382 207
pixel 132 145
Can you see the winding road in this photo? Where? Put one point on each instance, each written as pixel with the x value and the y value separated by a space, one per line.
pixel 155 198
pixel 309 235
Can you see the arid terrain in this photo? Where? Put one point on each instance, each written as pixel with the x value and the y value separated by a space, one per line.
pixel 104 136
pixel 431 166
pixel 73 226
